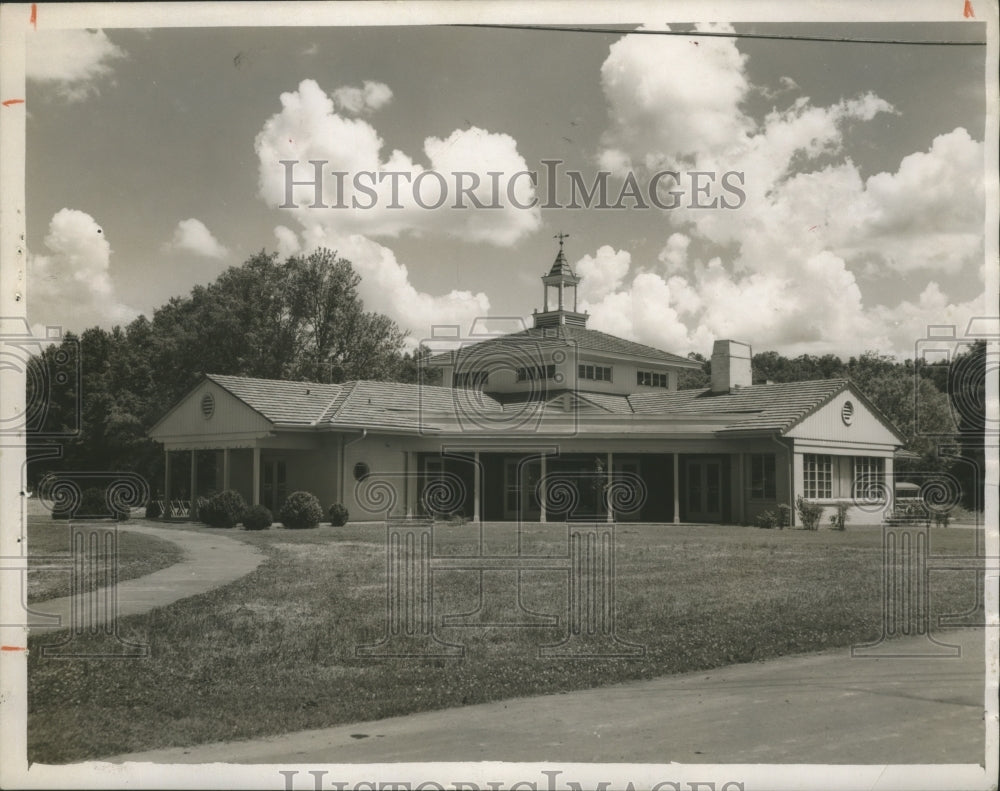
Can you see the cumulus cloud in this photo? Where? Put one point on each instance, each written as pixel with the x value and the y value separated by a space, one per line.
pixel 810 223
pixel 368 98
pixel 192 236
pixel 310 128
pixel 315 126
pixel 71 60
pixel 70 285
pixel 385 282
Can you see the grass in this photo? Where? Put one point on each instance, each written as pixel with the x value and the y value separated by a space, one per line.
pixel 138 555
pixel 275 651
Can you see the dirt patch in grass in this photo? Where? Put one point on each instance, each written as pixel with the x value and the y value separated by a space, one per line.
pixel 276 651
pixel 50 552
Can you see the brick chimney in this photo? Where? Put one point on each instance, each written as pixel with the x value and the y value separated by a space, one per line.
pixel 731 366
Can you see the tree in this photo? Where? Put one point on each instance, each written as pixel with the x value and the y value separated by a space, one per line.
pixel 297 319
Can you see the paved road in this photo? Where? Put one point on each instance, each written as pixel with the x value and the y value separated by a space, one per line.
pixel 814 708
pixel 210 561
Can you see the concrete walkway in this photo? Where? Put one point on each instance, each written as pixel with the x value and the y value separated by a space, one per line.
pixel 211 560
pixel 815 708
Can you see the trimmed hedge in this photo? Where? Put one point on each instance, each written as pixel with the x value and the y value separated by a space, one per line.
pixel 300 511
pixel 257 518
pixel 226 509
pixel 338 515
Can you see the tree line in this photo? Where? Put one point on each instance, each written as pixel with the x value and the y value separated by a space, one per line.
pixel 302 319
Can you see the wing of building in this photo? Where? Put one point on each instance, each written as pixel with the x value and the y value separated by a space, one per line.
pixel 552 422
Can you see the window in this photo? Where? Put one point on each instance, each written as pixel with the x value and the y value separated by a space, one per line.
pixel 763 477
pixel 361 470
pixel 818 476
pixel 595 372
pixel 869 478
pixel 536 373
pixel 651 379
pixel 472 379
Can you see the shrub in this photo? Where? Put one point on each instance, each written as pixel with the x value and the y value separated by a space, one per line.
pixel 809 513
pixel 301 510
pixel 226 509
pixel 838 519
pixel 205 512
pixel 93 505
pixel 784 517
pixel 257 518
pixel 153 510
pixel 765 519
pixel 338 515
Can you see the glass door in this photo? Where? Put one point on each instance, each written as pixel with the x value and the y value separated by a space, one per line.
pixel 704 490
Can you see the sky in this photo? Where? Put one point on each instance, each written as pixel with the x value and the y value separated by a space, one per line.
pixel 153 164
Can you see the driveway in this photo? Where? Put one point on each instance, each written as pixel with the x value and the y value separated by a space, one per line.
pixel 814 708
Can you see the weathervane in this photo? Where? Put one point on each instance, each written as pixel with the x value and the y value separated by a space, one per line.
pixel 560 236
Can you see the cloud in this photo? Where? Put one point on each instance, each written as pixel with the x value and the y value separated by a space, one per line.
pixel 192 236
pixel 669 100
pixel 368 98
pixel 71 60
pixel 313 125
pixel 71 285
pixel 385 283
pixel 785 269
pixel 309 128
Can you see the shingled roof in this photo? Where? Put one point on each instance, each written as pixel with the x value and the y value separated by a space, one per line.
pixel 393 405
pixel 768 407
pixel 280 401
pixel 583 338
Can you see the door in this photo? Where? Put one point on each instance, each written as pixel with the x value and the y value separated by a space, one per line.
pixel 273 486
pixel 520 480
pixel 704 490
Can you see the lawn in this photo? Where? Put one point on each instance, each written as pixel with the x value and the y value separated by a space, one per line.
pixel 275 651
pixel 138 555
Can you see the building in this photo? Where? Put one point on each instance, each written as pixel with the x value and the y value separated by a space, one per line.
pixel 553 422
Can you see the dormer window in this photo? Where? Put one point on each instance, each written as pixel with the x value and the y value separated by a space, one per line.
pixel 651 379
pixel 597 373
pixel 536 373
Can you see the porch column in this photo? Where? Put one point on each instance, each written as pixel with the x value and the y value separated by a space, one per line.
pixel 740 488
pixel 542 517
pixel 256 475
pixel 677 488
pixel 193 494
pixel 611 511
pixel 166 477
pixel 412 483
pixel 475 486
pixel 225 468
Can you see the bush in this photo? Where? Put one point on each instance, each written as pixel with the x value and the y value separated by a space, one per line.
pixel 809 513
pixel 301 510
pixel 257 518
pixel 93 505
pixel 766 519
pixel 204 511
pixel 226 509
pixel 153 510
pixel 338 515
pixel 838 519
pixel 784 516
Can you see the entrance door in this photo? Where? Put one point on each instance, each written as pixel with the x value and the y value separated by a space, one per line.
pixel 520 480
pixel 273 486
pixel 704 490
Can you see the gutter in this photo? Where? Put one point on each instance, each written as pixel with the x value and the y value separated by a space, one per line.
pixel 789 450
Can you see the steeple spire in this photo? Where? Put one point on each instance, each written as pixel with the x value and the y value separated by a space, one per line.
pixel 562 279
